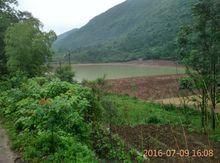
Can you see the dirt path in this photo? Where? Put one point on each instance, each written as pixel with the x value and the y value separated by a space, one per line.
pixel 6 155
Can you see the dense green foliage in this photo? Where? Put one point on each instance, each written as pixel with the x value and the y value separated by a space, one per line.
pixel 200 52
pixel 7 16
pixel 53 120
pixel 27 48
pixel 47 119
pixel 65 73
pixel 131 30
pixel 21 40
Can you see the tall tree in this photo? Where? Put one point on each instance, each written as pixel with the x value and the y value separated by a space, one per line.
pixel 8 16
pixel 27 47
pixel 199 49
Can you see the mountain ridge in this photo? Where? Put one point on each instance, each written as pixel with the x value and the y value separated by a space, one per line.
pixel 133 29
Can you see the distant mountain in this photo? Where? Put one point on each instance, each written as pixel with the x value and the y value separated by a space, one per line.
pixel 63 36
pixel 133 29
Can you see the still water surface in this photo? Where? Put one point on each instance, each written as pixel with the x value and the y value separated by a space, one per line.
pixel 116 71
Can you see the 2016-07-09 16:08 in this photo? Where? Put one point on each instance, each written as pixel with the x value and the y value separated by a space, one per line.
pixel 180 153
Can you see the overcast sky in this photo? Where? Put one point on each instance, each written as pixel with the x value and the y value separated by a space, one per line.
pixel 64 15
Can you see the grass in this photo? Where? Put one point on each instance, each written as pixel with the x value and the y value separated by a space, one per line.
pixel 132 111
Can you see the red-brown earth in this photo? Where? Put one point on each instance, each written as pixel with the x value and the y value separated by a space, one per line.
pixel 147 88
pixel 165 137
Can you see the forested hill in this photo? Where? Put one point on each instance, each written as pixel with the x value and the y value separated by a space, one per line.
pixel 63 37
pixel 133 29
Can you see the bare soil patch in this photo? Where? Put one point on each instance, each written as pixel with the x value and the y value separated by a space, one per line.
pixel 147 88
pixel 165 138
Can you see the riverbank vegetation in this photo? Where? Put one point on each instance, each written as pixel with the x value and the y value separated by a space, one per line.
pixel 51 118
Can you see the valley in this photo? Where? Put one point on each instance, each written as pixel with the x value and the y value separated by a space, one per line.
pixel 136 81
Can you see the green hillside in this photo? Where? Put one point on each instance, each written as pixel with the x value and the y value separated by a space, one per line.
pixel 133 29
pixel 62 37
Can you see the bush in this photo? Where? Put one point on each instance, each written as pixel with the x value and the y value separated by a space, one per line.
pixel 5 85
pixel 50 119
pixel 186 83
pixel 153 120
pixel 56 121
pixel 107 145
pixel 110 112
pixel 65 73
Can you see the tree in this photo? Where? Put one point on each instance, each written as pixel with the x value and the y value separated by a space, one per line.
pixel 200 53
pixel 27 47
pixel 8 16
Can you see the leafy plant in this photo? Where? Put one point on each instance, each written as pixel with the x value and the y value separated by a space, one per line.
pixel 49 119
pixel 65 73
pixel 107 145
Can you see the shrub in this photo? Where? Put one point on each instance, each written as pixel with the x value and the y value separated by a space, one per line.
pixel 65 73
pixel 50 119
pixel 107 145
pixel 55 121
pixel 153 120
pixel 186 83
